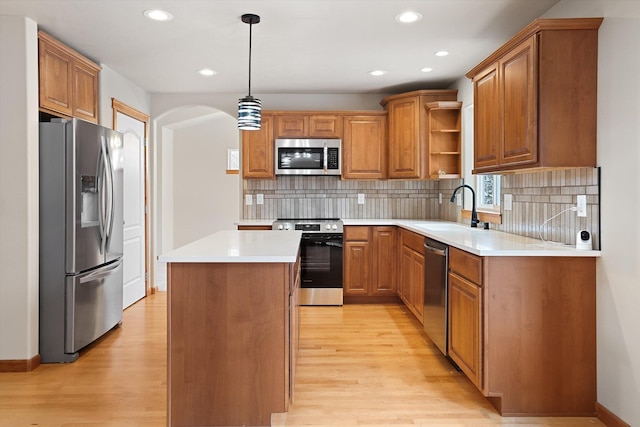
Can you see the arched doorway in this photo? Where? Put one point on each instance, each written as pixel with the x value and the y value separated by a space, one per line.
pixel 195 196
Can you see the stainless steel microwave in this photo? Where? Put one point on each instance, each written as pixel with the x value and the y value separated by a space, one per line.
pixel 308 157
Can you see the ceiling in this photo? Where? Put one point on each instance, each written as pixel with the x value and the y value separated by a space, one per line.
pixel 300 46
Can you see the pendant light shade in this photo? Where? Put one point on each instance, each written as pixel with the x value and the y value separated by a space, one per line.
pixel 249 108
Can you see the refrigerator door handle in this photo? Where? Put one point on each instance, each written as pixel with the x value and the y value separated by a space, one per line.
pixel 100 273
pixel 111 206
pixel 100 186
pixel 104 188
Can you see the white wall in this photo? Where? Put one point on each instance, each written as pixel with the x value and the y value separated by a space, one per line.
pixel 113 85
pixel 18 188
pixel 206 198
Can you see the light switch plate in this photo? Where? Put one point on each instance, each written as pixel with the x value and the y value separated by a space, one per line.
pixel 248 199
pixel 360 199
pixel 582 205
pixel 508 202
pixel 260 199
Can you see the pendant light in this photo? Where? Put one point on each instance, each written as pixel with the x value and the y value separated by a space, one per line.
pixel 249 107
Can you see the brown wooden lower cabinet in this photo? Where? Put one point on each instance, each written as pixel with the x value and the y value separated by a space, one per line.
pixel 232 342
pixel 523 329
pixel 370 263
pixel 465 314
pixel 411 276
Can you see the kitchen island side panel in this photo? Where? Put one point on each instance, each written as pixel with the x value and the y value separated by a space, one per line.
pixel 227 343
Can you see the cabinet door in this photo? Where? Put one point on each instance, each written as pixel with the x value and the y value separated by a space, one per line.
pixel 364 147
pixel 384 261
pixel 519 88
pixel 56 78
pixel 465 327
pixel 417 284
pixel 404 138
pixel 257 151
pixel 487 118
pixel 404 285
pixel 85 91
pixel 325 126
pixel 412 281
pixel 357 268
pixel 291 126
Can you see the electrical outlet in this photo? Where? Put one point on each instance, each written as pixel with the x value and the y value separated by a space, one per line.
pixel 440 198
pixel 508 202
pixel 582 205
pixel 360 199
pixel 260 199
pixel 248 199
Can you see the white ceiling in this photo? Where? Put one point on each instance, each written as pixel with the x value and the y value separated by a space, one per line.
pixel 300 46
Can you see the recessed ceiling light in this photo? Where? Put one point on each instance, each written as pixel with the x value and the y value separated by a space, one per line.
pixel 377 73
pixel 426 69
pixel 207 72
pixel 441 53
pixel 408 17
pixel 158 15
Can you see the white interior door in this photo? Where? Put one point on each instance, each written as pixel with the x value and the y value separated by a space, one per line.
pixel 134 225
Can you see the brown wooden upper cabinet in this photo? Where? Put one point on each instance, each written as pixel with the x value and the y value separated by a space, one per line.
pixel 409 130
pixel 535 98
pixel 312 125
pixel 258 151
pixel 68 80
pixel 445 142
pixel 364 147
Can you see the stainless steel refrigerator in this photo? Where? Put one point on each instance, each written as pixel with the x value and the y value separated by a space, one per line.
pixel 81 221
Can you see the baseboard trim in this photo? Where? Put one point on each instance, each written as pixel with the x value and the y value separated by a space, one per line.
pixel 20 365
pixel 608 418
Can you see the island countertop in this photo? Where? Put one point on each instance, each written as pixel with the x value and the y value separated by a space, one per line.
pixel 231 246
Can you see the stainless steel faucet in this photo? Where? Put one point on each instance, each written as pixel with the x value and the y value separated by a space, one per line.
pixel 474 214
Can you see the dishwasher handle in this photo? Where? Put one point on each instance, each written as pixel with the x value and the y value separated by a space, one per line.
pixel 437 251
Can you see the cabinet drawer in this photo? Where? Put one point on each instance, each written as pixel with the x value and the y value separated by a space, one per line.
pixel 360 233
pixel 466 265
pixel 413 240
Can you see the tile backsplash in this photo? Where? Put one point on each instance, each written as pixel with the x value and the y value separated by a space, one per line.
pixel 331 197
pixel 540 195
pixel 537 196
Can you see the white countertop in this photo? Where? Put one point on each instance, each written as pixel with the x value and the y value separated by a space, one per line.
pixel 474 240
pixel 231 246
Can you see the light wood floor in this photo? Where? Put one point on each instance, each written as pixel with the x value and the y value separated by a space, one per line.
pixel 359 365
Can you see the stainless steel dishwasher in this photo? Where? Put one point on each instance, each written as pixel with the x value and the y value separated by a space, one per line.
pixel 436 266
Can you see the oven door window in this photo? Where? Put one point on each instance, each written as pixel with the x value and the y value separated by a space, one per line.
pixel 300 158
pixel 321 261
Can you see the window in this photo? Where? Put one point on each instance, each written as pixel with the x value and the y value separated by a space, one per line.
pixel 488 192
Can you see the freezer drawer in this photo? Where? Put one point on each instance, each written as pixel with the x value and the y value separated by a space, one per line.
pixel 93 305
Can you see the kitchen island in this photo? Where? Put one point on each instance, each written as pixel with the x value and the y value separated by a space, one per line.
pixel 232 328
